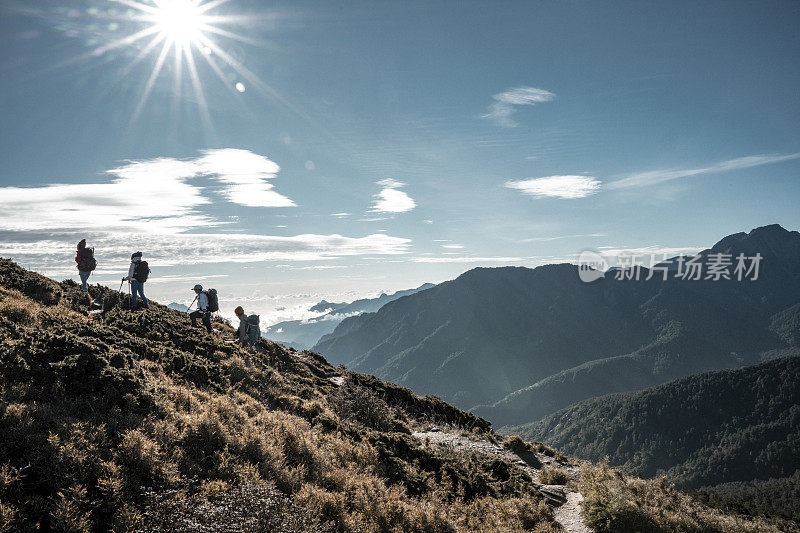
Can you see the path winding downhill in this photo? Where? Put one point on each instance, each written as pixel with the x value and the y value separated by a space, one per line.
pixel 564 500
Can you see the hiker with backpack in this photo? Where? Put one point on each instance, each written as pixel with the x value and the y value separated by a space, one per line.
pixel 207 303
pixel 86 263
pixel 249 330
pixel 137 275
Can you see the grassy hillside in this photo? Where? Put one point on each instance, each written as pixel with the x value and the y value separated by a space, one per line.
pixel 706 429
pixel 121 421
pixel 130 421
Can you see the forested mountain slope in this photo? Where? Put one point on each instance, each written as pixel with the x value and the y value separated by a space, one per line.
pixel 711 428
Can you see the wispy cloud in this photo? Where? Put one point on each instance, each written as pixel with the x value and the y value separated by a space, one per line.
pixel 153 196
pixel 392 200
pixel 141 196
pixel 503 107
pixel 453 246
pixel 560 237
pixel 155 205
pixel 53 255
pixel 245 176
pixel 340 215
pixel 647 252
pixel 651 177
pixel 461 259
pixel 557 186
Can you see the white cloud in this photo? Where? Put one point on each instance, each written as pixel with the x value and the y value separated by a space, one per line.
pixel 468 259
pixel 153 196
pixel 651 177
pixel 54 256
pixel 557 186
pixel 559 237
pixel 142 196
pixel 245 175
pixel 453 246
pixel 646 252
pixel 502 108
pixel 392 200
pixel 340 215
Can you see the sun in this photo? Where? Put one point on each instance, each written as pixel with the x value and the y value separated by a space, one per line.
pixel 180 32
pixel 179 21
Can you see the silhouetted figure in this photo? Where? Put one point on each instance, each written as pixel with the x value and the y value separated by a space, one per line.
pixel 86 263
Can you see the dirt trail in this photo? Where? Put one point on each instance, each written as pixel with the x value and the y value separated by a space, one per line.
pixel 564 500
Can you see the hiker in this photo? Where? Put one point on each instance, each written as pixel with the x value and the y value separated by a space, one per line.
pixel 202 311
pixel 249 331
pixel 137 275
pixel 242 337
pixel 86 263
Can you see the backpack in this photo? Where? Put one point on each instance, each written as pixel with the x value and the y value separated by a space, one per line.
pixel 213 301
pixel 253 330
pixel 141 272
pixel 88 262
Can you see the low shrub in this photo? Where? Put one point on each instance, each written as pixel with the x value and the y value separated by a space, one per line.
pixel 552 476
pixel 516 444
pixel 354 403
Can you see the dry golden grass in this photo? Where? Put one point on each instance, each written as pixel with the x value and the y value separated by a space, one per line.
pixel 615 501
pixel 126 421
pixel 132 421
pixel 553 476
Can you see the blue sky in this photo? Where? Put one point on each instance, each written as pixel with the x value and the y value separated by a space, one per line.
pixel 339 149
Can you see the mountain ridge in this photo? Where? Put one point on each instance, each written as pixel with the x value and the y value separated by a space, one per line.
pixel 722 426
pixel 491 336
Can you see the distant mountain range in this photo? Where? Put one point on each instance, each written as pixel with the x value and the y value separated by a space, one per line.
pixel 177 307
pixel 516 344
pixel 303 334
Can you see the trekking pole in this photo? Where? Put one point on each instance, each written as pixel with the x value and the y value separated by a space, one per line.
pixel 191 304
pixel 120 285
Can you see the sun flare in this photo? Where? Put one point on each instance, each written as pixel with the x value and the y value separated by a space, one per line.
pixel 179 32
pixel 179 21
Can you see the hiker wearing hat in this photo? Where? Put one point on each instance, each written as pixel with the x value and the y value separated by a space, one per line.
pixel 243 333
pixel 137 275
pixel 202 309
